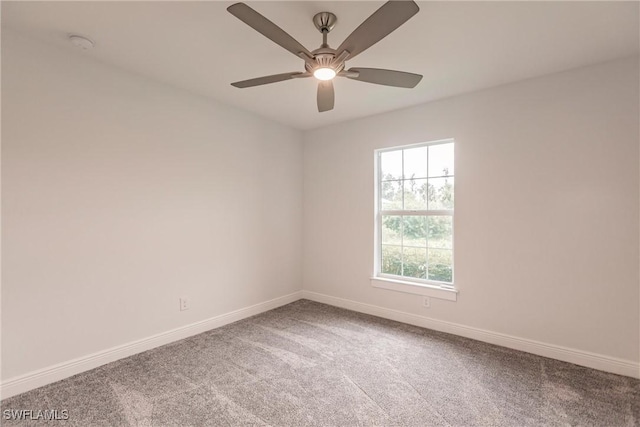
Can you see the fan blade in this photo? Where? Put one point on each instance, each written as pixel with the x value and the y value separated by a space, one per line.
pixel 269 79
pixel 267 28
pixel 383 22
pixel 385 77
pixel 325 96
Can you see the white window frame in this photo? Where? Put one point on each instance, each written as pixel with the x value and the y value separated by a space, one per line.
pixel 412 285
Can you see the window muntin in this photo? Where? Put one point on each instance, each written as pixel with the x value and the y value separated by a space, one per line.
pixel 414 215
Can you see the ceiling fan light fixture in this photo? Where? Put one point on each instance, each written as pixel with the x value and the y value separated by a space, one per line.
pixel 326 63
pixel 324 73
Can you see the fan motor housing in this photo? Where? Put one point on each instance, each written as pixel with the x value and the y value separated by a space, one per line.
pixel 324 58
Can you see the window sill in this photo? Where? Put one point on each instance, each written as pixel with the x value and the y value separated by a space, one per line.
pixel 427 290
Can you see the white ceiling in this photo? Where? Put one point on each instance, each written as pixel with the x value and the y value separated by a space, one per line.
pixel 457 46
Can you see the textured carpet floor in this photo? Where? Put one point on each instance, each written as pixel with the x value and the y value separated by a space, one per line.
pixel 308 364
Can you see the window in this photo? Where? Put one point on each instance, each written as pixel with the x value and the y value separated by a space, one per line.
pixel 414 213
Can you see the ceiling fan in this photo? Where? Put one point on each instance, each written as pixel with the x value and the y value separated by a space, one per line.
pixel 326 63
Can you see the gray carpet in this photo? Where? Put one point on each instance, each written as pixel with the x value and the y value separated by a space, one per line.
pixel 309 364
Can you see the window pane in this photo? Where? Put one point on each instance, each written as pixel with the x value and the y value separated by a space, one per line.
pixel 440 193
pixel 391 165
pixel 415 179
pixel 391 230
pixel 414 231
pixel 415 162
pixel 415 194
pixel 391 195
pixel 415 263
pixel 441 160
pixel 440 265
pixel 439 232
pixel 391 260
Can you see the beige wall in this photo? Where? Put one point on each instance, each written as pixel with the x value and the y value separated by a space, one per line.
pixel 546 222
pixel 119 195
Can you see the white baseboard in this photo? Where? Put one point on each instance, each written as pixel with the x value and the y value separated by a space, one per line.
pixel 41 377
pixel 591 360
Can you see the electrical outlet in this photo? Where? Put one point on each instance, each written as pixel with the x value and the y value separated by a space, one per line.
pixel 184 303
pixel 426 302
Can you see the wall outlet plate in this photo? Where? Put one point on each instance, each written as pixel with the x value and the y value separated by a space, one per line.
pixel 184 303
pixel 426 302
